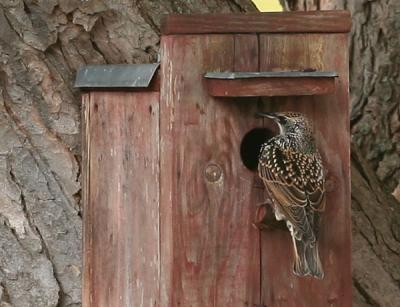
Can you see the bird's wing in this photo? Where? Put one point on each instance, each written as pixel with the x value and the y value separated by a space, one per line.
pixel 315 183
pixel 283 178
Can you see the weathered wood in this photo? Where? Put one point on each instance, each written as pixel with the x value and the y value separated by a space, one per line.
pixel 246 52
pixel 86 228
pixel 270 87
pixel 246 58
pixel 331 117
pixel 209 250
pixel 294 22
pixel 121 197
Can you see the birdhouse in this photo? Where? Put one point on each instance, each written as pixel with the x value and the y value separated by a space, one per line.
pixel 170 153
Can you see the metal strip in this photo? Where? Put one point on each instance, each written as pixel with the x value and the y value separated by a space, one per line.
pixel 271 74
pixel 116 75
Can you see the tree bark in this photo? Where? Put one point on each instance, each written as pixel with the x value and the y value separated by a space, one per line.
pixel 42 44
pixel 376 238
pixel 375 126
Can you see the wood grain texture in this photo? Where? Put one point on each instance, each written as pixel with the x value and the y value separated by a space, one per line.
pixel 286 22
pixel 86 212
pixel 246 52
pixel 331 117
pixel 270 87
pixel 209 250
pixel 121 214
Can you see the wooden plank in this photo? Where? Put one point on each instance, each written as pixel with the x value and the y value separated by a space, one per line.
pixel 270 87
pixel 282 22
pixel 330 113
pixel 246 52
pixel 121 217
pixel 87 230
pixel 246 58
pixel 209 250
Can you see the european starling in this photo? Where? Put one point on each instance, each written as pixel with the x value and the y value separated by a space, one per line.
pixel 291 169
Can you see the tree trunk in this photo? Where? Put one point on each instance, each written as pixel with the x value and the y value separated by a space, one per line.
pixel 375 93
pixel 42 44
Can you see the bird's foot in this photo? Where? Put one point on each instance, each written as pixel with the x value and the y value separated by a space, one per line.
pixel 267 202
pixel 265 218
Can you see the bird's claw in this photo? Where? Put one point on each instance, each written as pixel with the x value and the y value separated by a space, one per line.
pixel 259 225
pixel 261 216
pixel 265 219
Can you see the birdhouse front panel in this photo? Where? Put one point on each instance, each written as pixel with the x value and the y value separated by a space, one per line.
pixel 209 249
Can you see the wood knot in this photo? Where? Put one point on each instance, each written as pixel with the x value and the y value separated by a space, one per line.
pixel 213 172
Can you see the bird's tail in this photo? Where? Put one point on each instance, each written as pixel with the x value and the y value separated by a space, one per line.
pixel 307 260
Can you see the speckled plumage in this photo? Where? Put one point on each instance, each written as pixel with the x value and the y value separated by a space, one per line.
pixel 292 171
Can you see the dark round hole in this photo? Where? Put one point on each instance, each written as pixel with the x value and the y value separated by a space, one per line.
pixel 251 145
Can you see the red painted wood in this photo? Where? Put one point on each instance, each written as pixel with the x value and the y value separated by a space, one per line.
pixel 270 87
pixel 331 117
pixel 209 249
pixel 121 199
pixel 246 52
pixel 87 285
pixel 286 22
pixel 246 58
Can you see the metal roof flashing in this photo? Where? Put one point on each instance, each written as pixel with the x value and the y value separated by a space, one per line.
pixel 116 76
pixel 270 74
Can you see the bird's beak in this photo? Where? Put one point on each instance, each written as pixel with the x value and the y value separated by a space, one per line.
pixel 269 115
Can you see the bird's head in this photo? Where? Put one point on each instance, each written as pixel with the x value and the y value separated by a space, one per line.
pixel 290 122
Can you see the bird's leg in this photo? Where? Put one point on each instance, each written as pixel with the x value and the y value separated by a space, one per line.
pixel 258 184
pixel 262 214
pixel 265 217
pixel 267 202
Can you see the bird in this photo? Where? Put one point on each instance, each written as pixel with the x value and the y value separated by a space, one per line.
pixel 292 171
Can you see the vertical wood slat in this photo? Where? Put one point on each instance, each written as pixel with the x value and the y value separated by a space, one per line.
pixel 246 52
pixel 87 234
pixel 121 254
pixel 246 58
pixel 331 118
pixel 209 250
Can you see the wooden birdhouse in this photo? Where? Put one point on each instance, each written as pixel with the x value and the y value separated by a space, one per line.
pixel 170 150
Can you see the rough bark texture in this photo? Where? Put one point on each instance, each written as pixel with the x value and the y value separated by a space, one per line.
pixel 42 44
pixel 375 93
